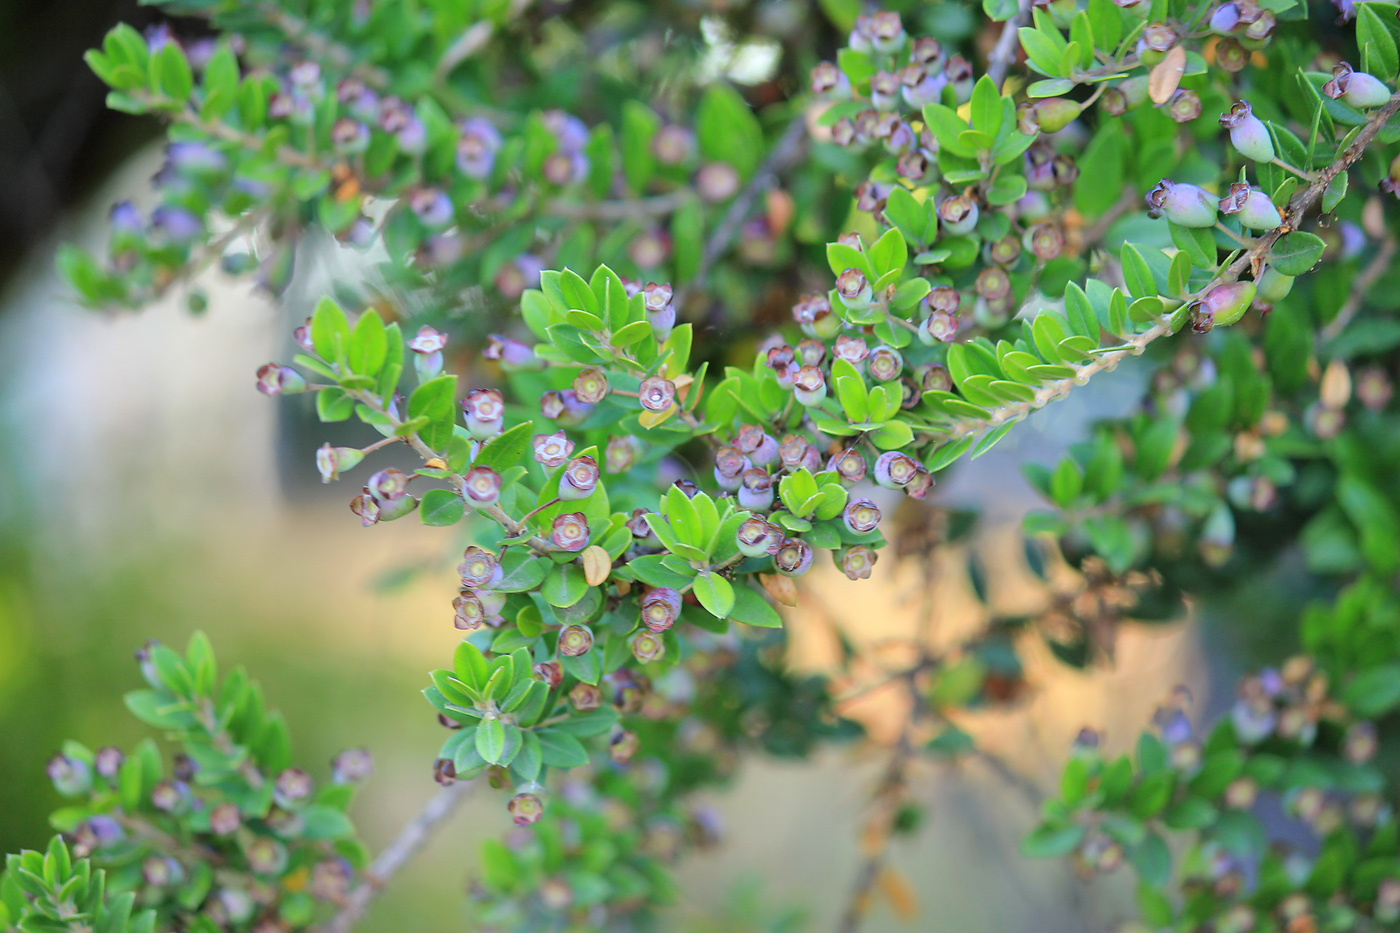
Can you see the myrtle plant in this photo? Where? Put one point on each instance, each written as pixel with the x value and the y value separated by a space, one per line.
pixel 971 212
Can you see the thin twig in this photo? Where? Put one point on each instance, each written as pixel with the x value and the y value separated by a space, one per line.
pixel 1359 288
pixel 1251 259
pixel 888 794
pixel 637 209
pixel 409 841
pixel 1004 52
pixel 786 152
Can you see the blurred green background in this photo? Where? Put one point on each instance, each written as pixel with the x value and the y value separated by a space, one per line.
pixel 146 491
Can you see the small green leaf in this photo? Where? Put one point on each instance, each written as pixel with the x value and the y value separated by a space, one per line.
pixel 1296 253
pixel 559 749
pixel 491 740
pixel 715 594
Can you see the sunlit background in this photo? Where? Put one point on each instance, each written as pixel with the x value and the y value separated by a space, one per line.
pixel 147 491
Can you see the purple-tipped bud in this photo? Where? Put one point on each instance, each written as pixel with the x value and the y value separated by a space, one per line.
pixel 292 788
pixel 1222 305
pixel 1182 204
pixel 275 379
pixel 579 479
pixel 387 486
pixel 1251 206
pixel 570 532
pixel 445 772
pixel 514 356
pixel 758 538
pixel 477 148
pixel 1045 241
pixel 730 464
pixel 661 607
pixel 861 516
pixel 894 470
pixel 330 461
pixel 856 562
pixel 854 289
pixel 756 490
pixel 486 411
pixel 1154 43
pixel 884 90
pixel 829 81
pixel 552 450
pixel 575 640
pixel 647 646
pixel 623 745
pixel 1356 88
pixel 757 445
pixel 468 611
pixel 479 568
pixel 717 182
pixel 620 454
pixel 885 363
pixel 810 352
pixel 108 761
pixel 797 454
pixel 958 214
pixel 851 349
pixel 849 465
pixel 935 378
pixel 550 673
pixel 1248 134
pixel 1225 18
pixel 432 207
pixel 886 32
pixel 656 394
pixel 71 776
pixel 809 386
pixel 366 508
pixel 159 871
pixel 481 487
pixel 794 557
pixel 526 809
pixel 170 796
pixel 351 766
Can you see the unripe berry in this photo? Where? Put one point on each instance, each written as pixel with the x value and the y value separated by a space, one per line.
pixel 330 461
pixel 856 562
pixel 526 808
pixel 479 568
pixel 886 364
pixel 591 386
pixel 585 697
pixel 275 379
pixel 1155 41
pixel 809 386
pixel 647 646
pixel 959 214
pixel 861 516
pixel 661 607
pixel 1231 56
pixel 1125 96
pixel 1248 134
pixel 1251 206
pixel 656 394
pixel 756 491
pixel 575 640
pixel 759 538
pixel 1356 88
pixel 854 289
pixel 1184 106
pixel 1182 204
pixel 1049 115
pixel 730 464
pixel 485 410
pixel 552 450
pixel 894 470
pixel 938 327
pixel 849 465
pixel 829 81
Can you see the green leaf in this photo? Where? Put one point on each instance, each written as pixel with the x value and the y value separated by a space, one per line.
pixel 1137 275
pixel 330 331
pixel 434 400
pixel 639 127
pixel 368 345
pixel 564 585
pixel 1373 693
pixel 1053 841
pixel 491 740
pixel 1044 54
pixel 1152 860
pixel 751 608
pixel 889 253
pixel 441 507
pixel 715 594
pixel 559 749
pixel 593 722
pixel 986 107
pixel 1378 52
pixel 170 73
pixel 470 666
pixel 1198 243
pixel 1296 253
pixel 504 450
pixel 727 129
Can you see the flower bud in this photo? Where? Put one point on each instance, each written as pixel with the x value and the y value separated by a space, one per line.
pixel 445 772
pixel 224 820
pixel 1183 204
pixel 292 787
pixel 71 776
pixel 927 52
pixel 794 557
pixel 757 444
pixel 171 796
pixel 1048 115
pixel 591 386
pixel 861 516
pixel 330 461
pixel 887 32
pixel 958 214
pixel 623 745
pixel 854 289
pixel 730 464
pixel 1257 33
pixel 366 508
pixel 570 531
pixel 797 454
pixel 656 394
pixel 1251 206
pixel 159 871
pixel 432 207
pixel 579 479
pixel 552 450
pixel 351 766
pixel 585 697
pixel 1224 19
pixel 1360 743
pixel 921 85
pixel 108 762
pixel 1003 252
pixel 1124 96
pixel 275 379
pixel 857 561
pixel 885 363
pixel 1356 88
pixel 759 538
pixel 620 454
pixel 575 640
pixel 481 487
pixel 809 386
pixel 851 349
pixel 943 298
pixel 1184 106
pixel 894 470
pixel 756 491
pixel 1373 390
pixel 647 646
pixel 485 410
pixel 479 568
pixel 849 465
pixel 661 607
pixel 884 90
pixel 1248 134
pixel 1154 43
pixel 514 356
pixel 829 81
pixel 1222 305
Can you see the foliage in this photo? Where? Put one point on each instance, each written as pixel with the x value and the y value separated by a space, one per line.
pixel 972 248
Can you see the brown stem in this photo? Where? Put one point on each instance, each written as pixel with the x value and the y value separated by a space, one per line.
pixel 637 209
pixel 786 152
pixel 1359 288
pixel 406 844
pixel 1004 52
